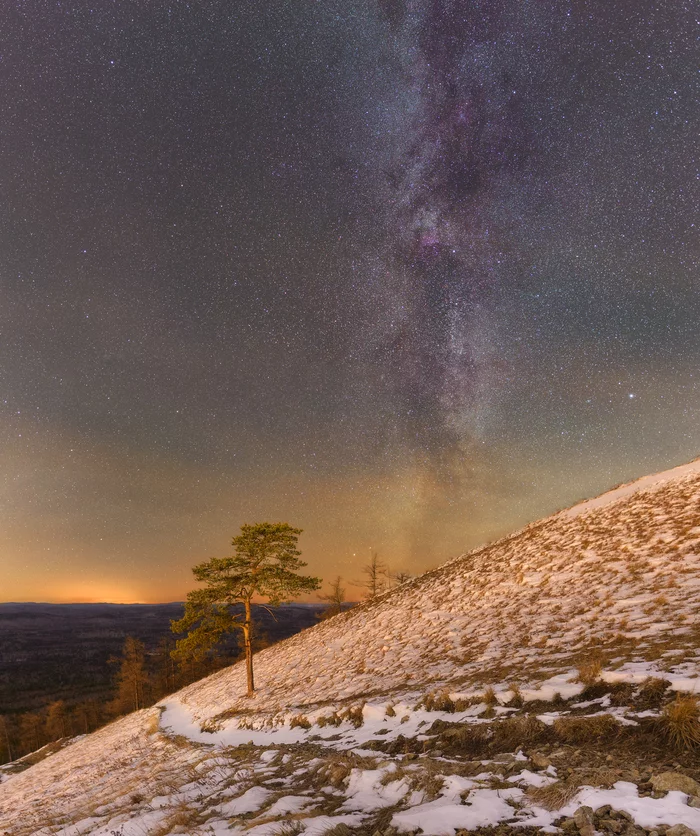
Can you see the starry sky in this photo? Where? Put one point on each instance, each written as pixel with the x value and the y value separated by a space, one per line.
pixel 407 274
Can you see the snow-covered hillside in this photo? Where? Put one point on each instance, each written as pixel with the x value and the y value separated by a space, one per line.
pixel 624 574
pixel 616 579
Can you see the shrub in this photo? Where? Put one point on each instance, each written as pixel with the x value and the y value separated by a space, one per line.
pixel 299 721
pixel 680 722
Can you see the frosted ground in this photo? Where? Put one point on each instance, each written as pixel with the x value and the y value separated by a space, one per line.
pixel 381 719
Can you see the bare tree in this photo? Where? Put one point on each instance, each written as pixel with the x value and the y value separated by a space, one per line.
pixel 376 573
pixel 335 598
pixel 402 577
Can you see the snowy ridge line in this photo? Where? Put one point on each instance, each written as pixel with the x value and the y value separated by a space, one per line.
pixel 609 497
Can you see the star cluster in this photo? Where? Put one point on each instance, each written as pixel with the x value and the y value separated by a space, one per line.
pixel 405 273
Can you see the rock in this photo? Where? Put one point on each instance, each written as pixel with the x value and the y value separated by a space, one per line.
pixel 603 812
pixel 568 825
pixel 653 833
pixel 583 819
pixel 680 830
pixel 694 801
pixel 611 825
pixel 540 761
pixel 675 781
pixel 623 814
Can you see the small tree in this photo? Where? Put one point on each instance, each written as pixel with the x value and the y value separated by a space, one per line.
pixel 56 722
pixel 402 577
pixel 132 676
pixel 5 739
pixel 265 565
pixel 376 573
pixel 335 598
pixel 31 726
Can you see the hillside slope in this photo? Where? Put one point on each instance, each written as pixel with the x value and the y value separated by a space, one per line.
pixel 620 574
pixel 616 579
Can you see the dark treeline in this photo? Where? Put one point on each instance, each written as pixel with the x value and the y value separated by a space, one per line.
pixel 67 669
pixel 140 679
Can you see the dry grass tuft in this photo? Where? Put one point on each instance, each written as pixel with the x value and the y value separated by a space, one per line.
pixel 680 722
pixel 329 720
pixel 595 777
pixel 552 797
pixel 472 739
pixel 299 721
pixel 292 828
pixel 183 818
pixel 582 730
pixel 439 701
pixel 490 697
pixel 651 692
pixel 589 673
pixel 516 701
pixel 355 716
pixel 520 731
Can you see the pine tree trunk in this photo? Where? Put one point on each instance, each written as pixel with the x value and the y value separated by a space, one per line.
pixel 248 639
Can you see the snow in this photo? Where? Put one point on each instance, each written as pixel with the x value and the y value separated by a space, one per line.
pixel 646 812
pixel 624 491
pixel 449 813
pixel 626 564
pixel 250 801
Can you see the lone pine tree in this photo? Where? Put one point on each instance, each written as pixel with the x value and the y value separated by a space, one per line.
pixel 265 565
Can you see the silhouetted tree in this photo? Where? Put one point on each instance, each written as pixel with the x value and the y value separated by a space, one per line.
pixel 376 573
pixel 265 565
pixel 335 599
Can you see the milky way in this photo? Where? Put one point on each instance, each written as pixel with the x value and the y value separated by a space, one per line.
pixel 405 274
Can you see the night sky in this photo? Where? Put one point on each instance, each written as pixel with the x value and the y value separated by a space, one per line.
pixel 406 275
